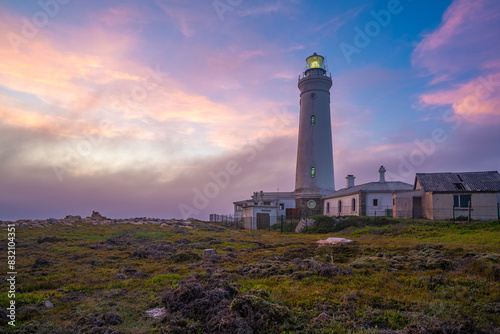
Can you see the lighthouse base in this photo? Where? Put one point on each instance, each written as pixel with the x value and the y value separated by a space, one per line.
pixel 309 206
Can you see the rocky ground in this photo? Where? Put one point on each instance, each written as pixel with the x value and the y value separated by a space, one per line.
pixel 97 219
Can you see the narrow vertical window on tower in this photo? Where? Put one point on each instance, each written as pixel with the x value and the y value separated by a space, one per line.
pixel 313 172
pixel 313 120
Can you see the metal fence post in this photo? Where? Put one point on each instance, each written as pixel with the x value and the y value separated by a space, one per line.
pixel 281 223
pixel 453 214
pixel 469 213
pixel 498 210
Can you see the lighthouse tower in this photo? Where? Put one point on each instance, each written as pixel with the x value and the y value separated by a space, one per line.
pixel 314 173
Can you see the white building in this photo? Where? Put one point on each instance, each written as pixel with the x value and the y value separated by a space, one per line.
pixel 368 199
pixel 263 208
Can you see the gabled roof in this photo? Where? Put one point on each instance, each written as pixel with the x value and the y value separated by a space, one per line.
pixel 458 182
pixel 372 187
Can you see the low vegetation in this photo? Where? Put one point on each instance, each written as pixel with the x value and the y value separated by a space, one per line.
pixel 395 277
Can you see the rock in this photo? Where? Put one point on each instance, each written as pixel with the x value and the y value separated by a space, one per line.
pixel 156 313
pixel 303 224
pixel 209 252
pixel 96 215
pixel 48 303
pixel 331 241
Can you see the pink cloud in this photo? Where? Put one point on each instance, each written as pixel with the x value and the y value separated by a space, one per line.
pixel 461 47
pixel 462 42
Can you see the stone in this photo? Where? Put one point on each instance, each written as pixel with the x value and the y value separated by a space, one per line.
pixel 156 313
pixel 48 303
pixel 209 252
pixel 304 223
pixel 331 241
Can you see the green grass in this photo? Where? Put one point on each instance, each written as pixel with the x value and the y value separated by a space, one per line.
pixel 395 274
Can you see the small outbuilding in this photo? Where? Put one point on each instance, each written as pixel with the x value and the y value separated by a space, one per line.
pixel 444 196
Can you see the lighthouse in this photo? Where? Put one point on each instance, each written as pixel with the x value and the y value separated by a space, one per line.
pixel 314 172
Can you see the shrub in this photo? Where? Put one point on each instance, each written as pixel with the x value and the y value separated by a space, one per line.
pixel 330 224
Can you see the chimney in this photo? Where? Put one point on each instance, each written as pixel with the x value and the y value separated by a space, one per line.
pixel 350 181
pixel 382 174
pixel 261 198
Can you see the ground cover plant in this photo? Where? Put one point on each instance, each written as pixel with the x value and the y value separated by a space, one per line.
pixel 396 277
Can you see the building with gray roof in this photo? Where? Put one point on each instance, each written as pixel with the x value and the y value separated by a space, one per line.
pixel 440 196
pixel 368 199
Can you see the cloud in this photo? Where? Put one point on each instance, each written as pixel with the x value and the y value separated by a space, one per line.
pixel 478 100
pixel 460 57
pixel 462 42
pixel 34 192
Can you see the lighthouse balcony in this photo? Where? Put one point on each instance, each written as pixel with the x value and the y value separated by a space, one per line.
pixel 315 73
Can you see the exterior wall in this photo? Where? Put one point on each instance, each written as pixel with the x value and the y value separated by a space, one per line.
pixel 439 206
pixel 288 204
pixel 305 209
pixel 346 206
pixel 483 206
pixel 250 215
pixel 442 206
pixel 427 206
pixel 403 204
pixel 384 204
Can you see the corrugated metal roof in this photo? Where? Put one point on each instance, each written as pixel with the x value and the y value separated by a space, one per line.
pixel 459 182
pixel 386 187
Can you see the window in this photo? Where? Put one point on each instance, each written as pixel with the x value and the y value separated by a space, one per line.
pixel 313 172
pixel 375 202
pixel 461 201
pixel 340 206
pixel 327 207
pixel 353 205
pixel 282 206
pixel 313 120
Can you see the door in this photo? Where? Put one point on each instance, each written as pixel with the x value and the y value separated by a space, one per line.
pixel 263 221
pixel 417 207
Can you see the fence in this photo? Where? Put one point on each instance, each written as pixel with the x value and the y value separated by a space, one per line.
pixel 280 223
pixel 476 212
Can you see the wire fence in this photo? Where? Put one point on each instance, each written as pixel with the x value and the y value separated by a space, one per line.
pixel 288 224
pixel 472 213
pixel 269 223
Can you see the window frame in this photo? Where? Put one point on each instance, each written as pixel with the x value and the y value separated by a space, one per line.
pixel 461 201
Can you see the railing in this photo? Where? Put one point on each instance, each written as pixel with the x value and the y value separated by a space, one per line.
pixel 318 73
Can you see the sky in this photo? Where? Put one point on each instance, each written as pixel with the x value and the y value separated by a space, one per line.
pixel 177 108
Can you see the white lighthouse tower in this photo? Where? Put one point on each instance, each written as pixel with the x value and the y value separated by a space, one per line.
pixel 314 173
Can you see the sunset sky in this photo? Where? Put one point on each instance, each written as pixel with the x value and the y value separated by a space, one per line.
pixel 133 108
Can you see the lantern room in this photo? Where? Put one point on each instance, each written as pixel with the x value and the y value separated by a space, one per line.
pixel 315 62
